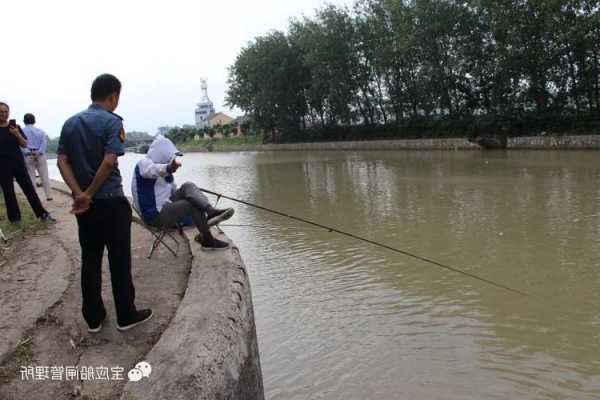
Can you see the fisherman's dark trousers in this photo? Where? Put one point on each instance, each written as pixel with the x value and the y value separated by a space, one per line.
pixel 187 201
pixel 12 168
pixel 107 223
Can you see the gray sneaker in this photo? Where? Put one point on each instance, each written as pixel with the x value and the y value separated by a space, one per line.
pixel 48 218
pixel 217 216
pixel 98 328
pixel 139 317
pixel 214 244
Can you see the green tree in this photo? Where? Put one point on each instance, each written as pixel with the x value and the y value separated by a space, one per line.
pixel 267 81
pixel 413 67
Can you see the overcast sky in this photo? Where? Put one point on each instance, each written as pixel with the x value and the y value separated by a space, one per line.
pixel 159 50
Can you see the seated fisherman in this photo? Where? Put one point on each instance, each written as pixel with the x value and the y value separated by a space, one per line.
pixel 162 205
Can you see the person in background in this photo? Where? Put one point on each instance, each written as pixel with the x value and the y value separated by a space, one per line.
pixel 90 143
pixel 12 166
pixel 35 153
pixel 48 141
pixel 163 205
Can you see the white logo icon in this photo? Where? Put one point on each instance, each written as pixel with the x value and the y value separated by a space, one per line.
pixel 135 375
pixel 142 370
pixel 145 367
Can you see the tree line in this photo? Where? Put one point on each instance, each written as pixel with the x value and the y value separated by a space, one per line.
pixel 397 68
pixel 189 132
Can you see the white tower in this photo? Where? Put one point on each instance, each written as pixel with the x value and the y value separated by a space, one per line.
pixel 205 107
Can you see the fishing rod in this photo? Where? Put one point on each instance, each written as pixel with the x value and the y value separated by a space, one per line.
pixel 406 253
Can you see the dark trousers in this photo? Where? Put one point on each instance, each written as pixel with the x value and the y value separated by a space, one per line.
pixel 106 224
pixel 12 168
pixel 187 201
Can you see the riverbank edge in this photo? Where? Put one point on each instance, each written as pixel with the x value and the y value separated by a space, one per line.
pixel 575 142
pixel 210 348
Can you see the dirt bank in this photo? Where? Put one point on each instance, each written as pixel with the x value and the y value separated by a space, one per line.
pixel 41 324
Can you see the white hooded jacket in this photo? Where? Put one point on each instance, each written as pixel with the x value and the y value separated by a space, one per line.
pixel 152 184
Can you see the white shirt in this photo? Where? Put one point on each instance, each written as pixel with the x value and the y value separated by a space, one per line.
pixel 152 184
pixel 36 139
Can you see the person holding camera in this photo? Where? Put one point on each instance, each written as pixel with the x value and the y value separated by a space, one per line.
pixel 90 143
pixel 12 166
pixel 35 153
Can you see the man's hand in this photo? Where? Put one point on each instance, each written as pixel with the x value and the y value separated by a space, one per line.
pixel 174 165
pixel 81 203
pixel 14 130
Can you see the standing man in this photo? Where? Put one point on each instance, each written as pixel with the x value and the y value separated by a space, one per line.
pixel 35 153
pixel 89 145
pixel 12 166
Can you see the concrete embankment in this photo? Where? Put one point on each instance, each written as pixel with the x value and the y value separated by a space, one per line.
pixel 581 142
pixel 547 142
pixel 210 349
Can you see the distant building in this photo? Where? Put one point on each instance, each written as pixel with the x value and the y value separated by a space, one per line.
pixel 243 119
pixel 219 119
pixel 135 139
pixel 163 130
pixel 205 107
pixel 242 124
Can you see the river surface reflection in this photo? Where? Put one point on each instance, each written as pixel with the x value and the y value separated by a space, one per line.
pixel 341 319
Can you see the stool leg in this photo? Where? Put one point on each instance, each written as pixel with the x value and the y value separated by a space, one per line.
pixel 160 240
pixel 157 240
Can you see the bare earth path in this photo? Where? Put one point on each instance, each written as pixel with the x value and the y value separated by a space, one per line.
pixel 40 309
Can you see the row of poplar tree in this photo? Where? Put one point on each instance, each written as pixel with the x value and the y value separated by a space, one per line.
pixel 424 68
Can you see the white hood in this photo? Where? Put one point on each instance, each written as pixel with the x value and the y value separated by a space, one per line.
pixel 152 184
pixel 162 150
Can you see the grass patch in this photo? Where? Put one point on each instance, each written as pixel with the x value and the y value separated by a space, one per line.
pixel 205 143
pixel 23 355
pixel 29 222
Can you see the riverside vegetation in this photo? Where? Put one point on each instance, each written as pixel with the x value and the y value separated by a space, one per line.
pixel 424 68
pixel 29 222
pixel 399 69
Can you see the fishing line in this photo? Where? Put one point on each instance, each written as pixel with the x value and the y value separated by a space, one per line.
pixel 261 226
pixel 406 253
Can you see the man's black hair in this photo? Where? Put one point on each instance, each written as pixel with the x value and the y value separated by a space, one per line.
pixel 29 119
pixel 105 85
pixel 4 104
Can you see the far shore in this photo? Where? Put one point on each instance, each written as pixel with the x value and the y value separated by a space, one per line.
pixel 547 142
